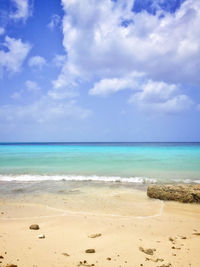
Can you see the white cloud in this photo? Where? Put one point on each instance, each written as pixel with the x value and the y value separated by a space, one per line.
pixel 59 60
pixel 166 49
pixel 32 86
pixel 107 86
pixel 37 61
pixel 161 97
pixel 12 58
pixel 16 95
pixel 148 95
pixel 102 51
pixel 23 10
pixel 44 110
pixel 54 22
pixel 2 31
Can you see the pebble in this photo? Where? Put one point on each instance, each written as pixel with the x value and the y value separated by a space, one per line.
pixel 34 227
pixel 148 251
pixel 90 250
pixel 65 254
pixel 94 235
pixel 41 236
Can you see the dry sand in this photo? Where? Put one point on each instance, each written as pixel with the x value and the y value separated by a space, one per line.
pixel 129 224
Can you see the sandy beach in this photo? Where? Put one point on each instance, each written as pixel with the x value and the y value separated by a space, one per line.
pixel 123 226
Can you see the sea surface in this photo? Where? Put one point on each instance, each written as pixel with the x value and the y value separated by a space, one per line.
pixel 109 162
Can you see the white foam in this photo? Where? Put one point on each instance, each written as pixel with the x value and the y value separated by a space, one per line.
pixel 187 181
pixel 27 178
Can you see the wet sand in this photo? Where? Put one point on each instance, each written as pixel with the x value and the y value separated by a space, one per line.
pixel 135 230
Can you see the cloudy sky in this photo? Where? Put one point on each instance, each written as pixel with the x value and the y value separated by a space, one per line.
pixel 99 70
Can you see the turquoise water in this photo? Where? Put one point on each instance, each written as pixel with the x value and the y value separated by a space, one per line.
pixel 134 162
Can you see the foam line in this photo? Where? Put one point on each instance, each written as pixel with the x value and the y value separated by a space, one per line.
pixel 79 213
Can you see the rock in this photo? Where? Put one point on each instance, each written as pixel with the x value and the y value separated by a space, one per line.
pixel 175 247
pixel 1 257
pixel 154 260
pixel 94 235
pixel 90 250
pixel 34 227
pixel 41 236
pixel 108 259
pixel 148 251
pixel 181 193
pixel 196 233
pixel 11 265
pixel 65 254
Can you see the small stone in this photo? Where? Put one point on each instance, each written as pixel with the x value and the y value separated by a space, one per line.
pixel 171 239
pixel 11 265
pixel 183 237
pixel 108 259
pixel 34 227
pixel 94 235
pixel 1 257
pixel 90 250
pixel 65 254
pixel 41 236
pixel 196 233
pixel 148 251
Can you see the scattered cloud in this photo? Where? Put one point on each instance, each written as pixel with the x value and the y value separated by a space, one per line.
pixel 32 86
pixel 13 55
pixel 104 50
pixel 59 60
pixel 16 95
pixel 54 22
pixel 107 86
pixel 22 10
pixel 2 31
pixel 44 110
pixel 161 97
pixel 37 62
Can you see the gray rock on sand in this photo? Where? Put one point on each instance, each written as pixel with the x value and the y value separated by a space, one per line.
pixel 196 234
pixel 65 254
pixel 90 250
pixel 181 193
pixel 41 236
pixel 148 251
pixel 94 235
pixel 34 227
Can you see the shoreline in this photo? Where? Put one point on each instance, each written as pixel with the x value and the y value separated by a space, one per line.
pixel 128 221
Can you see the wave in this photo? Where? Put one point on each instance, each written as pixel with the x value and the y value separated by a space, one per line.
pixel 136 180
pixel 28 177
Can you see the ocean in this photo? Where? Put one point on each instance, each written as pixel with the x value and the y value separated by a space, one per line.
pixel 137 163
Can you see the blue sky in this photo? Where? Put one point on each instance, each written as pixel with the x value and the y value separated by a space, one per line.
pixel 109 70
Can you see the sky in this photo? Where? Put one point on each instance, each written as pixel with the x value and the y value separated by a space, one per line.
pixel 99 70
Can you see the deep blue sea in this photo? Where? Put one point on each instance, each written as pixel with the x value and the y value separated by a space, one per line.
pixel 123 162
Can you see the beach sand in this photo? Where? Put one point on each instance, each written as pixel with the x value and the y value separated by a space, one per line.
pixel 128 223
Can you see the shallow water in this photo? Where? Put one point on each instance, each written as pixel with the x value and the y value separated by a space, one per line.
pixel 124 162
